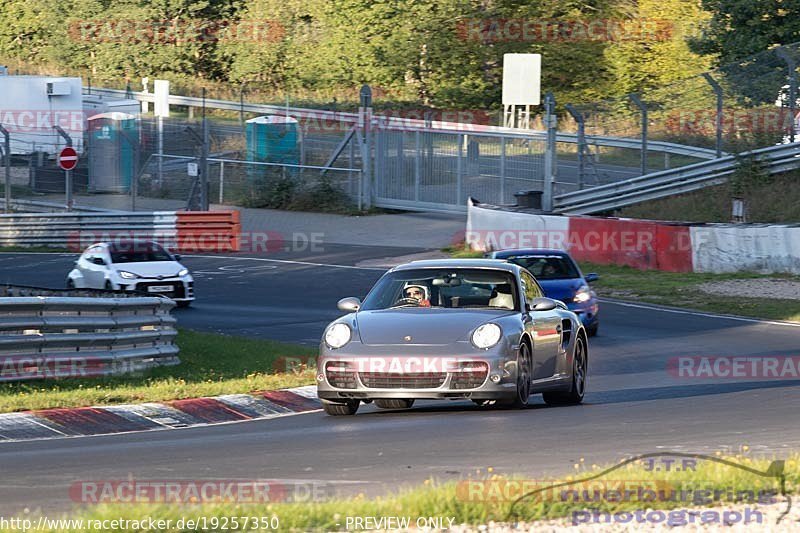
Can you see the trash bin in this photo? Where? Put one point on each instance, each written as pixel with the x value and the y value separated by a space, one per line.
pixel 529 199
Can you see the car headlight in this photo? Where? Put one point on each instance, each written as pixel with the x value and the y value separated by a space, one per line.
pixel 183 272
pixel 127 275
pixel 486 336
pixel 583 295
pixel 338 335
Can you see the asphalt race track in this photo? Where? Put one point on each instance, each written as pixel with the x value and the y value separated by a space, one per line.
pixel 633 404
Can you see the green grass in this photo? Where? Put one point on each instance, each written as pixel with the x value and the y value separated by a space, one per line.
pixel 454 500
pixel 767 199
pixel 211 364
pixel 680 290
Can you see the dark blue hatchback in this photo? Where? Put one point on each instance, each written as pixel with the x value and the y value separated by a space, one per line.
pixel 561 279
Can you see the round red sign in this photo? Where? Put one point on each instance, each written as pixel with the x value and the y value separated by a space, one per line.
pixel 68 158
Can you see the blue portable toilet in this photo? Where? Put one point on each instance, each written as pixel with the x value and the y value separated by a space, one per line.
pixel 273 139
pixel 111 154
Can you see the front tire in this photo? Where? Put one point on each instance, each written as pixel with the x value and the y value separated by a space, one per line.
pixel 183 304
pixel 523 391
pixel 70 283
pixel 592 330
pixel 394 404
pixel 340 409
pixel 577 389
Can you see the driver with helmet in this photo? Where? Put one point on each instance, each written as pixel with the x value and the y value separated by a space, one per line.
pixel 417 292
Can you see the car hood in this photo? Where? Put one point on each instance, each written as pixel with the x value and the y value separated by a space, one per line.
pixel 561 289
pixel 150 269
pixel 424 326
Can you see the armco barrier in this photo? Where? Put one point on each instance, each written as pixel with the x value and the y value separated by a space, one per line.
pixel 183 231
pixel 46 333
pixel 642 244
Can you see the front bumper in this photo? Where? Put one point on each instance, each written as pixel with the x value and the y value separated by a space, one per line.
pixel 379 373
pixel 586 311
pixel 181 290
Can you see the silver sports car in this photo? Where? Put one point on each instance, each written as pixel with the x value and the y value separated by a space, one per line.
pixel 478 329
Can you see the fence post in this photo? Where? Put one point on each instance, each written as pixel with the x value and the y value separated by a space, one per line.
pixel 204 160
pixel 718 92
pixel 7 153
pixel 365 119
pixel 502 169
pixel 550 123
pixel 459 168
pixel 792 64
pixel 579 118
pixel 417 166
pixel 222 182
pixel 68 173
pixel 643 108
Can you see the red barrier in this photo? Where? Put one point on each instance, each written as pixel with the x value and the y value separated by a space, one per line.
pixel 642 244
pixel 208 231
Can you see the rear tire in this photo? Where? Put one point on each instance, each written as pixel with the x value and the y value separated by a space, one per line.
pixel 108 286
pixel 592 330
pixel 523 391
pixel 183 304
pixel 394 404
pixel 70 283
pixel 340 409
pixel 578 388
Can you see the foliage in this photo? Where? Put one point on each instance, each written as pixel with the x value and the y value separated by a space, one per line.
pixel 422 51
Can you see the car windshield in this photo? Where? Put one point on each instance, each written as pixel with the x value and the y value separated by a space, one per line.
pixel 444 288
pixel 137 253
pixel 548 266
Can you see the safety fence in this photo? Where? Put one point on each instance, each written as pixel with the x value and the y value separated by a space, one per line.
pixel 641 244
pixel 47 333
pixel 773 160
pixel 183 231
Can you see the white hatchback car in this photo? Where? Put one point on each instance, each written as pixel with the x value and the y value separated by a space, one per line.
pixel 133 266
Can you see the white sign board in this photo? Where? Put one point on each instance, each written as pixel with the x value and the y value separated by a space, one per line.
pixel 522 74
pixel 193 170
pixel 161 94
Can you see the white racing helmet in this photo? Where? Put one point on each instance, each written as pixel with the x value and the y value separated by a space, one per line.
pixel 423 288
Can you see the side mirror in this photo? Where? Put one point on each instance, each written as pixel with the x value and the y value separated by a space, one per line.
pixel 350 304
pixel 177 257
pixel 591 277
pixel 542 304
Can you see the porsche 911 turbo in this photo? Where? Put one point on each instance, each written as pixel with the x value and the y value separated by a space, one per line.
pixel 477 329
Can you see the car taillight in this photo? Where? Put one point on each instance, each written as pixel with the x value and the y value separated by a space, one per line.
pixel 341 374
pixel 469 374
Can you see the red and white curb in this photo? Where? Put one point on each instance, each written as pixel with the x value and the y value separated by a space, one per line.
pixel 84 421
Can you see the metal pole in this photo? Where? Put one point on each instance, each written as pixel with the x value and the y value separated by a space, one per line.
pixel 204 160
pixel 7 153
pixel 718 92
pixel 68 173
pixel 550 152
pixel 643 108
pixel 365 118
pixel 459 168
pixel 502 169
pixel 160 150
pixel 580 119
pixel 221 181
pixel 792 64
pixel 417 165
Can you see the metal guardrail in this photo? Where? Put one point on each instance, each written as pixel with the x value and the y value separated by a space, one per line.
pixel 415 124
pixel 75 230
pixel 53 333
pixel 776 159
